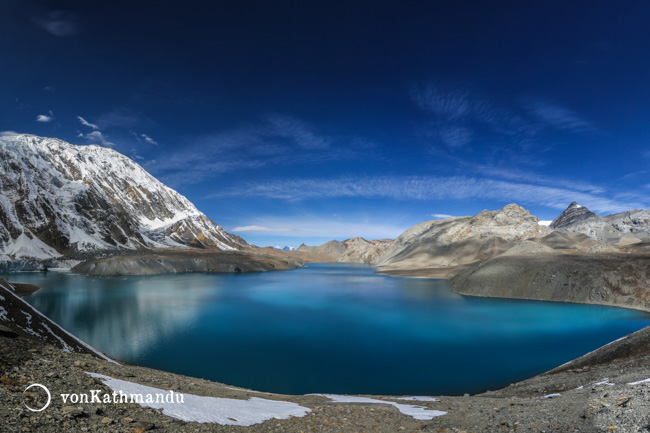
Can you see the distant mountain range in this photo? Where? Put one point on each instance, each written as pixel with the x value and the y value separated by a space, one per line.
pixel 459 241
pixel 285 248
pixel 58 200
pixel 356 250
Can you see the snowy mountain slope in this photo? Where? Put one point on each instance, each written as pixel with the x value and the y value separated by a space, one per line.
pixel 285 248
pixel 58 199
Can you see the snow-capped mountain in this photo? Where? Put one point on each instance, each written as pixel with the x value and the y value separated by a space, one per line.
pixel 285 248
pixel 59 199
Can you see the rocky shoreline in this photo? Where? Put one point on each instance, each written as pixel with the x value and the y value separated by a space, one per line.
pixel 615 278
pixel 176 261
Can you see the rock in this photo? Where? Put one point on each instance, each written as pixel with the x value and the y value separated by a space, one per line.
pixel 6 332
pixel 143 426
pixel 73 411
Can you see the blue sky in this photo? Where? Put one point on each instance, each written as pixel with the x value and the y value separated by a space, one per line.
pixel 290 122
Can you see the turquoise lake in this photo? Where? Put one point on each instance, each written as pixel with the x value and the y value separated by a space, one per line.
pixel 329 328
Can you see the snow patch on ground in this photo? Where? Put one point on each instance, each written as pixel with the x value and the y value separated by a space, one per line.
pixel 4 316
pixel 604 382
pixel 416 398
pixel 639 382
pixel 552 395
pixel 224 411
pixel 247 390
pixel 417 412
pixel 544 223
pixel 23 246
pixel 66 347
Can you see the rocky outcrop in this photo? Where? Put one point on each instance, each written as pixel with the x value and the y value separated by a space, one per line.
pixel 461 240
pixel 621 228
pixel 573 215
pixel 355 250
pixel 617 279
pixel 165 262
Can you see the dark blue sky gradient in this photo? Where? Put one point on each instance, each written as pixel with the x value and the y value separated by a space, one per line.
pixel 329 119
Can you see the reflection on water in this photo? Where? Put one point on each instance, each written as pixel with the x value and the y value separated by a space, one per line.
pixel 123 316
pixel 326 328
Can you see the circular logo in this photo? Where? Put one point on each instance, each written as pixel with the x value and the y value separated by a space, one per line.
pixel 49 397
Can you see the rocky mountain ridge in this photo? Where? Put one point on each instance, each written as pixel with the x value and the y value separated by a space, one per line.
pixel 59 200
pixel 621 228
pixel 461 240
pixel 355 250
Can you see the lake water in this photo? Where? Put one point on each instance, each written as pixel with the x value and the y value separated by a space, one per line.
pixel 328 328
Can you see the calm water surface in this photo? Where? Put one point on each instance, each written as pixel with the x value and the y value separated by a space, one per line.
pixel 324 328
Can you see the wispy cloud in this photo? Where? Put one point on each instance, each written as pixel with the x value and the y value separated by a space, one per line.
pixel 84 122
pixel 329 228
pixel 120 117
pixel 297 131
pixel 458 188
pixel 9 133
pixel 559 117
pixel 449 103
pixel 44 118
pixel 456 137
pixel 144 137
pixel 255 228
pixel 530 177
pixel 58 23
pixel 276 141
pixel 459 117
pixel 149 139
pixel 442 216
pixel 96 137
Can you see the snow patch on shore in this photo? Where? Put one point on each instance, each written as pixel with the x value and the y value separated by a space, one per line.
pixel 416 398
pixel 605 381
pixel 224 411
pixel 417 412
pixel 639 382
